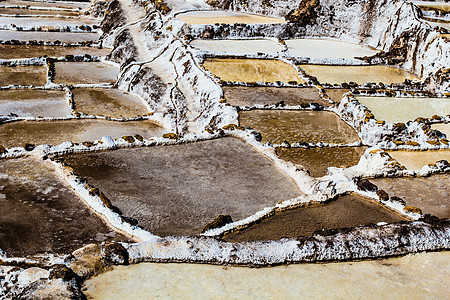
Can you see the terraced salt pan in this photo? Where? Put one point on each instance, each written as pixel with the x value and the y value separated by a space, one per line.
pixel 16 134
pixel 278 126
pixel 250 96
pixel 317 160
pixel 317 48
pixel 211 17
pixel 178 189
pixel 252 70
pixel 444 128
pixel 40 213
pixel 50 4
pixel 336 94
pixel 238 46
pixel 430 194
pixel 358 74
pixel 177 5
pixel 346 211
pixel 85 73
pixel 415 276
pixel 415 160
pixel 34 103
pixel 45 22
pixel 23 75
pixel 29 51
pixel 37 12
pixel 394 110
pixel 433 5
pixel 108 102
pixel 64 37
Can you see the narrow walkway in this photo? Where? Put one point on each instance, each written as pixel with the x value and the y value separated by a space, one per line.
pixel 160 65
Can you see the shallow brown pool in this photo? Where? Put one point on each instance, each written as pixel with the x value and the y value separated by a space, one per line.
pixel 252 70
pixel 108 102
pixel 346 211
pixel 431 194
pixel 34 103
pixel 336 94
pixel 28 51
pixel 16 134
pixel 40 213
pixel 177 190
pixel 23 75
pixel 249 96
pixel 358 74
pixel 317 160
pixel 308 126
pixel 85 73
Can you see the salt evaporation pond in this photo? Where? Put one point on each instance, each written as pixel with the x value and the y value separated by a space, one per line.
pixel 430 194
pixel 344 212
pixel 51 4
pixel 358 74
pixel 34 103
pixel 336 94
pixel 277 126
pixel 16 134
pixel 395 110
pixel 252 70
pixel 46 22
pixel 64 37
pixel 211 17
pixel 317 160
pixel 178 189
pixel 85 73
pixel 444 128
pixel 23 75
pixel 249 96
pixel 319 48
pixel 37 12
pixel 415 276
pixel 415 160
pixel 439 6
pixel 41 214
pixel 29 51
pixel 108 102
pixel 237 46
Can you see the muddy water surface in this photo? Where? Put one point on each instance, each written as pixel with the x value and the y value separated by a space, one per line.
pixel 252 70
pixel 430 194
pixel 56 132
pixel 358 74
pixel 249 96
pixel 39 212
pixel 224 17
pixel 34 103
pixel 346 211
pixel 402 110
pixel 294 126
pixel 108 102
pixel 28 51
pixel 317 160
pixel 177 190
pixel 85 73
pixel 23 75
